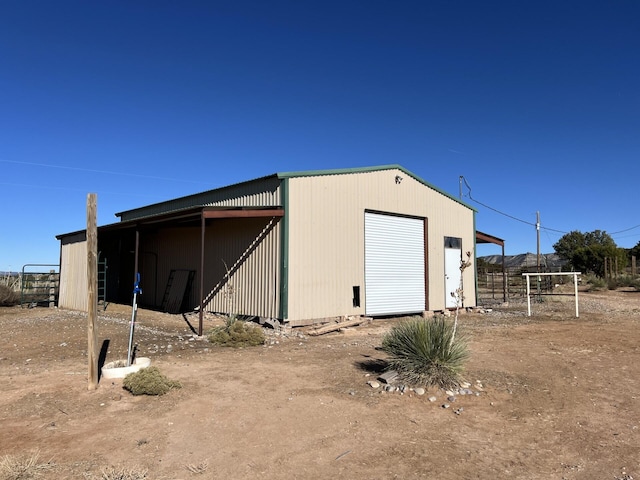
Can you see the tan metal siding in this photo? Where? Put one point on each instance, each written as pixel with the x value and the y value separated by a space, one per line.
pixel 259 193
pixel 73 273
pixel 326 237
pixel 244 264
pixel 249 247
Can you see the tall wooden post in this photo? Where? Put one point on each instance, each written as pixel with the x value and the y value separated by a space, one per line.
pixel 92 288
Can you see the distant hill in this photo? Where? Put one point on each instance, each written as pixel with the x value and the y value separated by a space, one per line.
pixel 548 260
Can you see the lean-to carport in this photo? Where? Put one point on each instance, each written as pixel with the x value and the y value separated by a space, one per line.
pixel 128 244
pixel 204 214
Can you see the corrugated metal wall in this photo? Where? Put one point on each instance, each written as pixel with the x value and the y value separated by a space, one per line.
pixel 250 248
pixel 73 273
pixel 326 237
pixel 246 265
pixel 263 192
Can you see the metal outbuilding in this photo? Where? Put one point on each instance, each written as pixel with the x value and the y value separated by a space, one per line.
pixel 296 247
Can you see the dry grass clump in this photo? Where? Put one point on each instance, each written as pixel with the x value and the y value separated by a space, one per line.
pixel 8 296
pixel 149 381
pixel 198 469
pixel 123 473
pixel 236 333
pixel 23 467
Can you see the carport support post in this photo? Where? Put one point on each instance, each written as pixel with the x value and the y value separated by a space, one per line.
pixel 201 312
pixel 92 288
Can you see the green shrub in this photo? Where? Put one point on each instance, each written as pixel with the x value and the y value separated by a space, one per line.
pixel 624 281
pixel 236 333
pixel 595 283
pixel 422 353
pixel 8 296
pixel 149 381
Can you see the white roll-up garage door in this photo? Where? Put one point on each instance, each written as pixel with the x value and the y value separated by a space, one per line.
pixel 394 264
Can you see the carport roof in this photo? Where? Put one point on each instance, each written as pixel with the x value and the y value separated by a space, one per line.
pixel 191 214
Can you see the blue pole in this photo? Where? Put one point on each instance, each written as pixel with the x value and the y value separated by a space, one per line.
pixel 134 311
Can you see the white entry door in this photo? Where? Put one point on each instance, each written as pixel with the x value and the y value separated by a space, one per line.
pixel 452 273
pixel 394 264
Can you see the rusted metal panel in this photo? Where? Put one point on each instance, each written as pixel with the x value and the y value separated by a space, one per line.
pixel 271 212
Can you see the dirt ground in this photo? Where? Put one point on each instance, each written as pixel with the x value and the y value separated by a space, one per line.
pixel 560 399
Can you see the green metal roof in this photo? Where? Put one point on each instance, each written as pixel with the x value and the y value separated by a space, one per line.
pixel 307 173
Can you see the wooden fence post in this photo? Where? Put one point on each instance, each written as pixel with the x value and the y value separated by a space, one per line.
pixel 92 287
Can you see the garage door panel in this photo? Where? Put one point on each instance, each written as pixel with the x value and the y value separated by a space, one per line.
pixel 394 264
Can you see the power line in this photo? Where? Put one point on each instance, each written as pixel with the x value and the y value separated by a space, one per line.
pixel 625 230
pixel 104 172
pixel 462 179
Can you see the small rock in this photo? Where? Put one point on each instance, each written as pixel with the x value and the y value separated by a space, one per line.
pixel 419 391
pixel 445 405
pixel 465 384
pixel 388 377
pixel 448 392
pixel 451 398
pixel 374 383
pixel 458 411
pixel 432 399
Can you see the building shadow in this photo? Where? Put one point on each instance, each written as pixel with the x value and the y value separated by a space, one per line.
pixel 103 356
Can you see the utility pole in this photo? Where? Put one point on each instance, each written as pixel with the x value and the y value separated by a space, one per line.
pixel 538 235
pixel 92 280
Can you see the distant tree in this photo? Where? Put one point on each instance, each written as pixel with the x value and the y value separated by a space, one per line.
pixel 635 250
pixel 586 252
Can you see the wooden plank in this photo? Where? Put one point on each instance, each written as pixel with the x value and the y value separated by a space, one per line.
pixel 339 325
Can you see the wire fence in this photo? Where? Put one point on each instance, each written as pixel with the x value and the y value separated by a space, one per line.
pixel 496 287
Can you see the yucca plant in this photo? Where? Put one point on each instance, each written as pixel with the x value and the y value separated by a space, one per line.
pixel 426 352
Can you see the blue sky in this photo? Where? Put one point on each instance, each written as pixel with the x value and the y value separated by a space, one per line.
pixel 535 104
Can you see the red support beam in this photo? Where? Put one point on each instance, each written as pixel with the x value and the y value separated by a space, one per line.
pixel 255 213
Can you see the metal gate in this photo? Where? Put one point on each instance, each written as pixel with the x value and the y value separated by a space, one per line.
pixel 39 287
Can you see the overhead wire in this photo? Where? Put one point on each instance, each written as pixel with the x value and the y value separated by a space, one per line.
pixel 503 213
pixel 104 172
pixel 524 221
